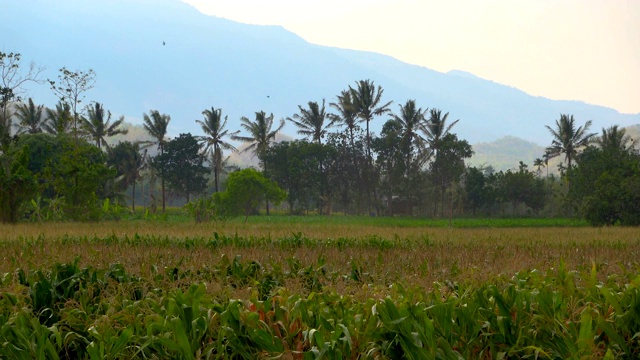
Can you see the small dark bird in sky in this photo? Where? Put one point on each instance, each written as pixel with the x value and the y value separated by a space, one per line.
pixel 163 43
pixel 268 96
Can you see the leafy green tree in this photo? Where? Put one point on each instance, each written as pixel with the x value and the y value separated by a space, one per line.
pixel 523 187
pixel 606 185
pixel 448 165
pixel 295 166
pixel 59 120
pixel 567 139
pixel 156 125
pixel 312 122
pixel 476 190
pixel 246 190
pixel 99 127
pixel 128 159
pixel 214 140
pixel 261 135
pixel 17 183
pixel 344 178
pixel 390 160
pixel 79 173
pixel 30 117
pixel 181 165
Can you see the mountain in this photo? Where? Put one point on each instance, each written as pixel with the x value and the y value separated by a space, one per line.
pixel 506 153
pixel 165 55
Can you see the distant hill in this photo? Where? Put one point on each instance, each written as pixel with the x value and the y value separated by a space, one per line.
pixel 165 55
pixel 506 153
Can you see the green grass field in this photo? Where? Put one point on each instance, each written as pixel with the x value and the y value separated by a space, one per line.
pixel 319 287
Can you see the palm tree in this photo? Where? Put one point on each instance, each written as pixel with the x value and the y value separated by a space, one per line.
pixel 260 136
pixel 59 120
pixel 539 164
pixel 347 113
pixel 213 141
pixel 546 158
pixel 30 117
pixel 366 102
pixel 98 125
pixel 410 118
pixel 435 129
pixel 616 139
pixel 156 125
pixel 312 121
pixel 567 139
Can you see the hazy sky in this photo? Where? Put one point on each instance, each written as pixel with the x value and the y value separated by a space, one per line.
pixel 562 49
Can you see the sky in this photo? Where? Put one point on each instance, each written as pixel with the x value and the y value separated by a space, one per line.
pixel 586 50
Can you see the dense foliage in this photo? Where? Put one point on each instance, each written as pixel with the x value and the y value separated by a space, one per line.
pixel 415 166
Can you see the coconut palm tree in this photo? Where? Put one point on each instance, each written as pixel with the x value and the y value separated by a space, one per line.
pixel 567 139
pixel 615 138
pixel 260 134
pixel 410 118
pixel 214 140
pixel 539 164
pixel 59 120
pixel 436 128
pixel 347 113
pixel 311 121
pixel 98 126
pixel 156 125
pixel 30 117
pixel 366 100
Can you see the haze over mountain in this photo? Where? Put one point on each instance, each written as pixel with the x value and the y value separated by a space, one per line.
pixel 165 55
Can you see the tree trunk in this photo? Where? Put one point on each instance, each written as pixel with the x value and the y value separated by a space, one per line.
pixel 133 197
pixel 163 196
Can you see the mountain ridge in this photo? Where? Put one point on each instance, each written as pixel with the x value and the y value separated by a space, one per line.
pixel 210 61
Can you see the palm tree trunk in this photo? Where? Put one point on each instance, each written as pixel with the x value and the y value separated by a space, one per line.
pixel 163 196
pixel 133 197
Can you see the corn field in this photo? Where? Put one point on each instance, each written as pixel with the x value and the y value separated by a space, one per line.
pixel 403 293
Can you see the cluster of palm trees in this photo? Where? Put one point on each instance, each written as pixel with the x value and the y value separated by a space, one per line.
pixel 96 126
pixel 568 139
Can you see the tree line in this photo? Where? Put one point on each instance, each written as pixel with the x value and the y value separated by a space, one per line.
pixel 57 163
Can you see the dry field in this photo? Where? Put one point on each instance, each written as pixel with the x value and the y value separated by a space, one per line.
pixel 382 254
pixel 314 289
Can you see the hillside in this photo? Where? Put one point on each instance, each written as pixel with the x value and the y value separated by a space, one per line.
pixel 165 55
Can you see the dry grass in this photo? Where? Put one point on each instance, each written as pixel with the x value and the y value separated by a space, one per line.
pixel 437 254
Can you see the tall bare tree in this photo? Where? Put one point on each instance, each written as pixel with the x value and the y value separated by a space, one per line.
pixel 71 88
pixel 12 82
